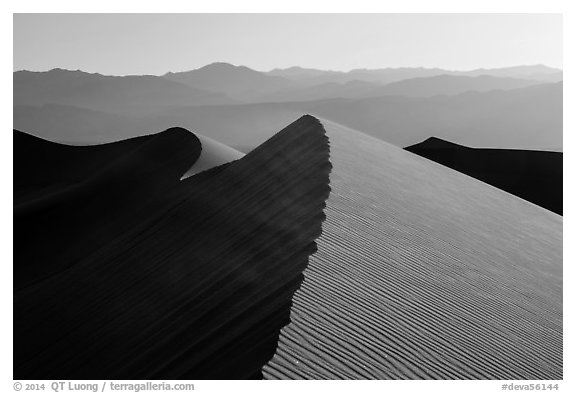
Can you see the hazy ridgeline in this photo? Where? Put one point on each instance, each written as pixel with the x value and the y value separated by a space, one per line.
pixel 517 107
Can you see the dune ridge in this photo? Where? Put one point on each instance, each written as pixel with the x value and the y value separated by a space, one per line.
pixel 423 273
pixel 67 199
pixel 213 154
pixel 198 282
pixel 533 175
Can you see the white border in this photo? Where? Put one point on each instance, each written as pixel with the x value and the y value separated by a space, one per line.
pixel 421 6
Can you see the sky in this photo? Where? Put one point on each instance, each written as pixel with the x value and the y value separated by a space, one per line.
pixel 124 44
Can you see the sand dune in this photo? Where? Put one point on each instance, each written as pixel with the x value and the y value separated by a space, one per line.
pixel 535 176
pixel 213 154
pixel 135 274
pixel 422 272
pixel 419 271
pixel 68 200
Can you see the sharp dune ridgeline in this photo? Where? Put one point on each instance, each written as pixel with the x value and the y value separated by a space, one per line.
pixel 535 176
pixel 124 271
pixel 423 273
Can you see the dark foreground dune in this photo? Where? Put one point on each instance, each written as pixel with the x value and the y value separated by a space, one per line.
pixel 122 271
pixel 71 200
pixel 423 272
pixel 535 176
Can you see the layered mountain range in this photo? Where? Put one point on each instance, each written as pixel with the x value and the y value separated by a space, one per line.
pixel 516 107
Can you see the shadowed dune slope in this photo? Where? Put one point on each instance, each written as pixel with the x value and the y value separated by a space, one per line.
pixel 68 199
pixel 422 272
pixel 535 176
pixel 189 279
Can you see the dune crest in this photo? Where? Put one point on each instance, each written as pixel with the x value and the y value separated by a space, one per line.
pixel 423 273
pixel 193 281
pixel 213 154
pixel 71 200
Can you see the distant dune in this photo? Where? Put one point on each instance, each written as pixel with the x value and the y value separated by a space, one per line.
pixel 122 271
pixel 424 273
pixel 535 176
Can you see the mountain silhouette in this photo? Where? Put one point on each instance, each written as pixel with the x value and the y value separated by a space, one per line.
pixel 414 87
pixel 529 118
pixel 135 94
pixel 238 82
pixel 388 75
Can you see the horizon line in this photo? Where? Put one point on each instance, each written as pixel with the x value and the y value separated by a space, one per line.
pixel 302 67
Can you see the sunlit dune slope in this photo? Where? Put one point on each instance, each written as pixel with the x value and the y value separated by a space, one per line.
pixel 423 272
pixel 213 154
